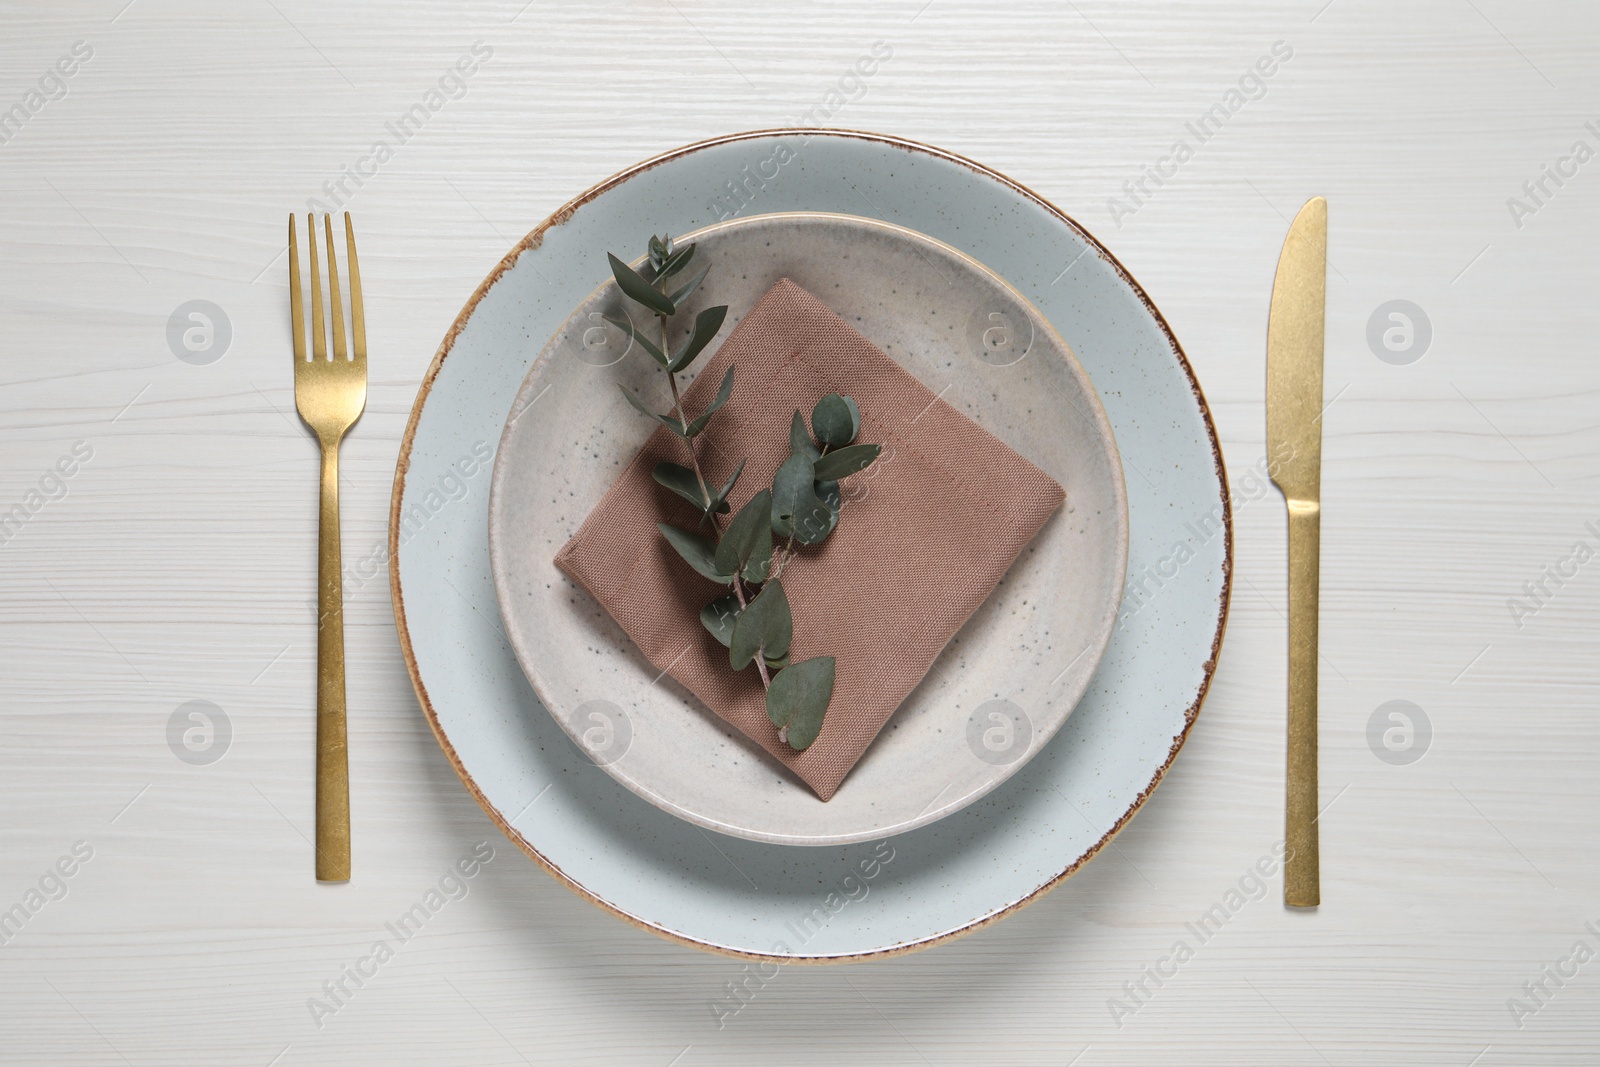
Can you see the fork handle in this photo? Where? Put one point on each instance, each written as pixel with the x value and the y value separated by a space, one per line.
pixel 1301 865
pixel 333 769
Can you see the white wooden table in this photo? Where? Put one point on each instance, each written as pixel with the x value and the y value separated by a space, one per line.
pixel 175 564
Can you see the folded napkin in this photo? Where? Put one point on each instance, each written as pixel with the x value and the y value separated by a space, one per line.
pixel 924 536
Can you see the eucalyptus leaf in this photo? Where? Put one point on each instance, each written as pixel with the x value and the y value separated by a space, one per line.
pixel 669 421
pixel 723 392
pixel 796 511
pixel 798 700
pixel 813 527
pixel 800 442
pixel 828 493
pixel 676 260
pixel 765 627
pixel 698 552
pixel 846 461
pixel 759 566
pixel 855 418
pixel 720 500
pixel 683 481
pixel 644 342
pixel 719 616
pixel 658 252
pixel 742 539
pixel 637 289
pixel 834 422
pixel 777 664
pixel 722 494
pixel 687 289
pixel 706 325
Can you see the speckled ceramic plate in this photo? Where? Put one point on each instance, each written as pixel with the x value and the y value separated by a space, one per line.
pixel 750 898
pixel 1009 678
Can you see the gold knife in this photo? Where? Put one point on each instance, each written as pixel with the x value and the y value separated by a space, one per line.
pixel 1294 438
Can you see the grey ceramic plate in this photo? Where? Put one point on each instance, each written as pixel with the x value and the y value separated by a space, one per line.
pixel 710 890
pixel 1009 678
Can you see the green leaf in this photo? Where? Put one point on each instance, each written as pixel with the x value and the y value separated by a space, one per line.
pixel 644 342
pixel 723 392
pixel 719 616
pixel 676 261
pixel 706 325
pixel 682 480
pixel 722 494
pixel 765 626
pixel 793 483
pixel 798 700
pixel 720 500
pixel 658 252
pixel 687 289
pixel 637 289
pixel 813 527
pixel 800 442
pixel 669 421
pixel 846 461
pixel 759 566
pixel 835 421
pixel 796 511
pixel 777 664
pixel 828 493
pixel 744 535
pixel 698 552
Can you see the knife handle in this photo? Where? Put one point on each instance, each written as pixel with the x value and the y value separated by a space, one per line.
pixel 1301 868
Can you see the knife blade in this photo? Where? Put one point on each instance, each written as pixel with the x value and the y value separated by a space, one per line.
pixel 1294 440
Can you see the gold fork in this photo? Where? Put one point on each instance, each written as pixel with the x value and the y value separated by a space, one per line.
pixel 330 395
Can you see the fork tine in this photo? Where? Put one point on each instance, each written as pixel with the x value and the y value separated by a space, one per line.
pixel 335 304
pixel 358 319
pixel 319 340
pixel 297 319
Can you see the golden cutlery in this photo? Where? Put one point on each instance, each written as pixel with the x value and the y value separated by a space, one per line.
pixel 330 395
pixel 1294 431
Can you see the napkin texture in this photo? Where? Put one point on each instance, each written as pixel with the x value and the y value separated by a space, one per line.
pixel 925 533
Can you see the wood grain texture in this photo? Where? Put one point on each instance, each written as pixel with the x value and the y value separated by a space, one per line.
pixel 179 564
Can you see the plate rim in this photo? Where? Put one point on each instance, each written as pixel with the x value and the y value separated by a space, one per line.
pixel 533 240
pixel 1107 626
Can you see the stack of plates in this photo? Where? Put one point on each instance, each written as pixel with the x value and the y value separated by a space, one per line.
pixel 1041 728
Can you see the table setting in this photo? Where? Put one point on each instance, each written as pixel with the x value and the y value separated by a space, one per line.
pixel 804 594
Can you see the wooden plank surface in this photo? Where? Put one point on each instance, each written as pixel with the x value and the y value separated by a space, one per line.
pixel 175 564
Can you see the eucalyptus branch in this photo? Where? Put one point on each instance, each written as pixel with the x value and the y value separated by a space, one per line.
pixel 802 505
pixel 683 421
pixel 761 661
